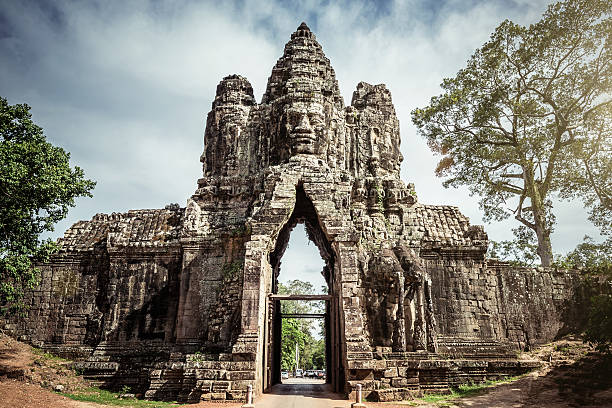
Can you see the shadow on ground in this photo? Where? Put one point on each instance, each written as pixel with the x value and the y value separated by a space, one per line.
pixel 305 388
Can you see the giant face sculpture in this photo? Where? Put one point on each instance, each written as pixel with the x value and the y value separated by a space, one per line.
pixel 305 125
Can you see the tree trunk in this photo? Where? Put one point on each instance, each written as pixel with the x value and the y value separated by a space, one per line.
pixel 544 247
pixel 540 224
pixel 543 235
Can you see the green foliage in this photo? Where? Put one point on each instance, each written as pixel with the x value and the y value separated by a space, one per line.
pixel 380 203
pixel 48 357
pixel 105 397
pixel 292 335
pixel 590 256
pixel 298 287
pixel 37 187
pixel 599 326
pixel 316 360
pixel 197 357
pixel 522 251
pixel 465 390
pixel 379 198
pixel 300 331
pixel 529 116
pixel 231 269
pixel 311 350
pixel 596 262
pixel 587 174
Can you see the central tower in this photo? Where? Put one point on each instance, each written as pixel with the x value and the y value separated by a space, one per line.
pixel 302 113
pixel 262 163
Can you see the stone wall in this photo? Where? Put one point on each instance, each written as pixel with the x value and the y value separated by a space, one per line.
pixel 63 308
pixel 492 300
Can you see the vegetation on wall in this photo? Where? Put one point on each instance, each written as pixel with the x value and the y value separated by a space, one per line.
pixel 595 260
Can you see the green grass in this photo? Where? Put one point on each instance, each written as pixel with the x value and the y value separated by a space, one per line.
pixel 464 391
pixel 47 356
pixel 435 398
pixel 100 396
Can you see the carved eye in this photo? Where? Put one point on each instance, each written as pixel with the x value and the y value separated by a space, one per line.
pixel 315 118
pixel 293 118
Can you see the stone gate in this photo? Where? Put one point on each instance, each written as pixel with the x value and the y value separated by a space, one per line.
pixel 179 303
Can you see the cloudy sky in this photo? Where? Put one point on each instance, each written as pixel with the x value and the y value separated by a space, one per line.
pixel 126 87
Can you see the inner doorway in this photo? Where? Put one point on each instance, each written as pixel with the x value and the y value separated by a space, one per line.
pixel 303 339
pixel 278 313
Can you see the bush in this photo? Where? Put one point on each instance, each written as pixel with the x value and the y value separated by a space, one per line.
pixel 599 325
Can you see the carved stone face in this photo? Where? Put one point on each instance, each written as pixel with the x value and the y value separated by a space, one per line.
pixel 305 126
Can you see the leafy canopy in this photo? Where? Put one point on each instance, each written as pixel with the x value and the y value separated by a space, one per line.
pixel 529 116
pixel 37 187
pixel 301 331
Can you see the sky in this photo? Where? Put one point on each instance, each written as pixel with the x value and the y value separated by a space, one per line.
pixel 125 87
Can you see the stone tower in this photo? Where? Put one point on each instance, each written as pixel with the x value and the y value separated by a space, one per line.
pixel 181 302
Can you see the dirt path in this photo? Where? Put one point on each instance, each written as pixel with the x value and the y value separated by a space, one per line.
pixel 17 394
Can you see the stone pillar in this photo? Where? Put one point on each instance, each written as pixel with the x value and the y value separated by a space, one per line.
pixel 430 320
pixel 250 342
pixel 419 324
pixel 401 317
pixel 188 321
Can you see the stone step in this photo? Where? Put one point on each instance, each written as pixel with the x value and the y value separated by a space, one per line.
pixel 474 348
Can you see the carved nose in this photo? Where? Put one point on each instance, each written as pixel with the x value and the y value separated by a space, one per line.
pixel 304 125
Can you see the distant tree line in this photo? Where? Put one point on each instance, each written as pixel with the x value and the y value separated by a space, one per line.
pixel 301 332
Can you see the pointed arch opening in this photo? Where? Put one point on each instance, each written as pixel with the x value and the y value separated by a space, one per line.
pixel 287 305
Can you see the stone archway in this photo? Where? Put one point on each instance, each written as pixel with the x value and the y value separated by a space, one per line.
pixel 400 272
pixel 303 212
pixel 289 205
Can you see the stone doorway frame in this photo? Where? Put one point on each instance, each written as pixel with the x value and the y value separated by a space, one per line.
pixel 329 216
pixel 273 338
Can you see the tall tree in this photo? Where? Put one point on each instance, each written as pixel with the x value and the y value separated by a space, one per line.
pixel 527 109
pixel 37 186
pixel 292 336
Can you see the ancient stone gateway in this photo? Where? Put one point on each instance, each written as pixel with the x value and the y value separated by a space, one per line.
pixel 179 303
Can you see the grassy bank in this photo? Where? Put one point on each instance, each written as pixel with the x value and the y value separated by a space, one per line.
pixel 99 396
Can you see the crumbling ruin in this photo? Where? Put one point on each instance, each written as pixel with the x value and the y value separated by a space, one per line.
pixel 178 303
